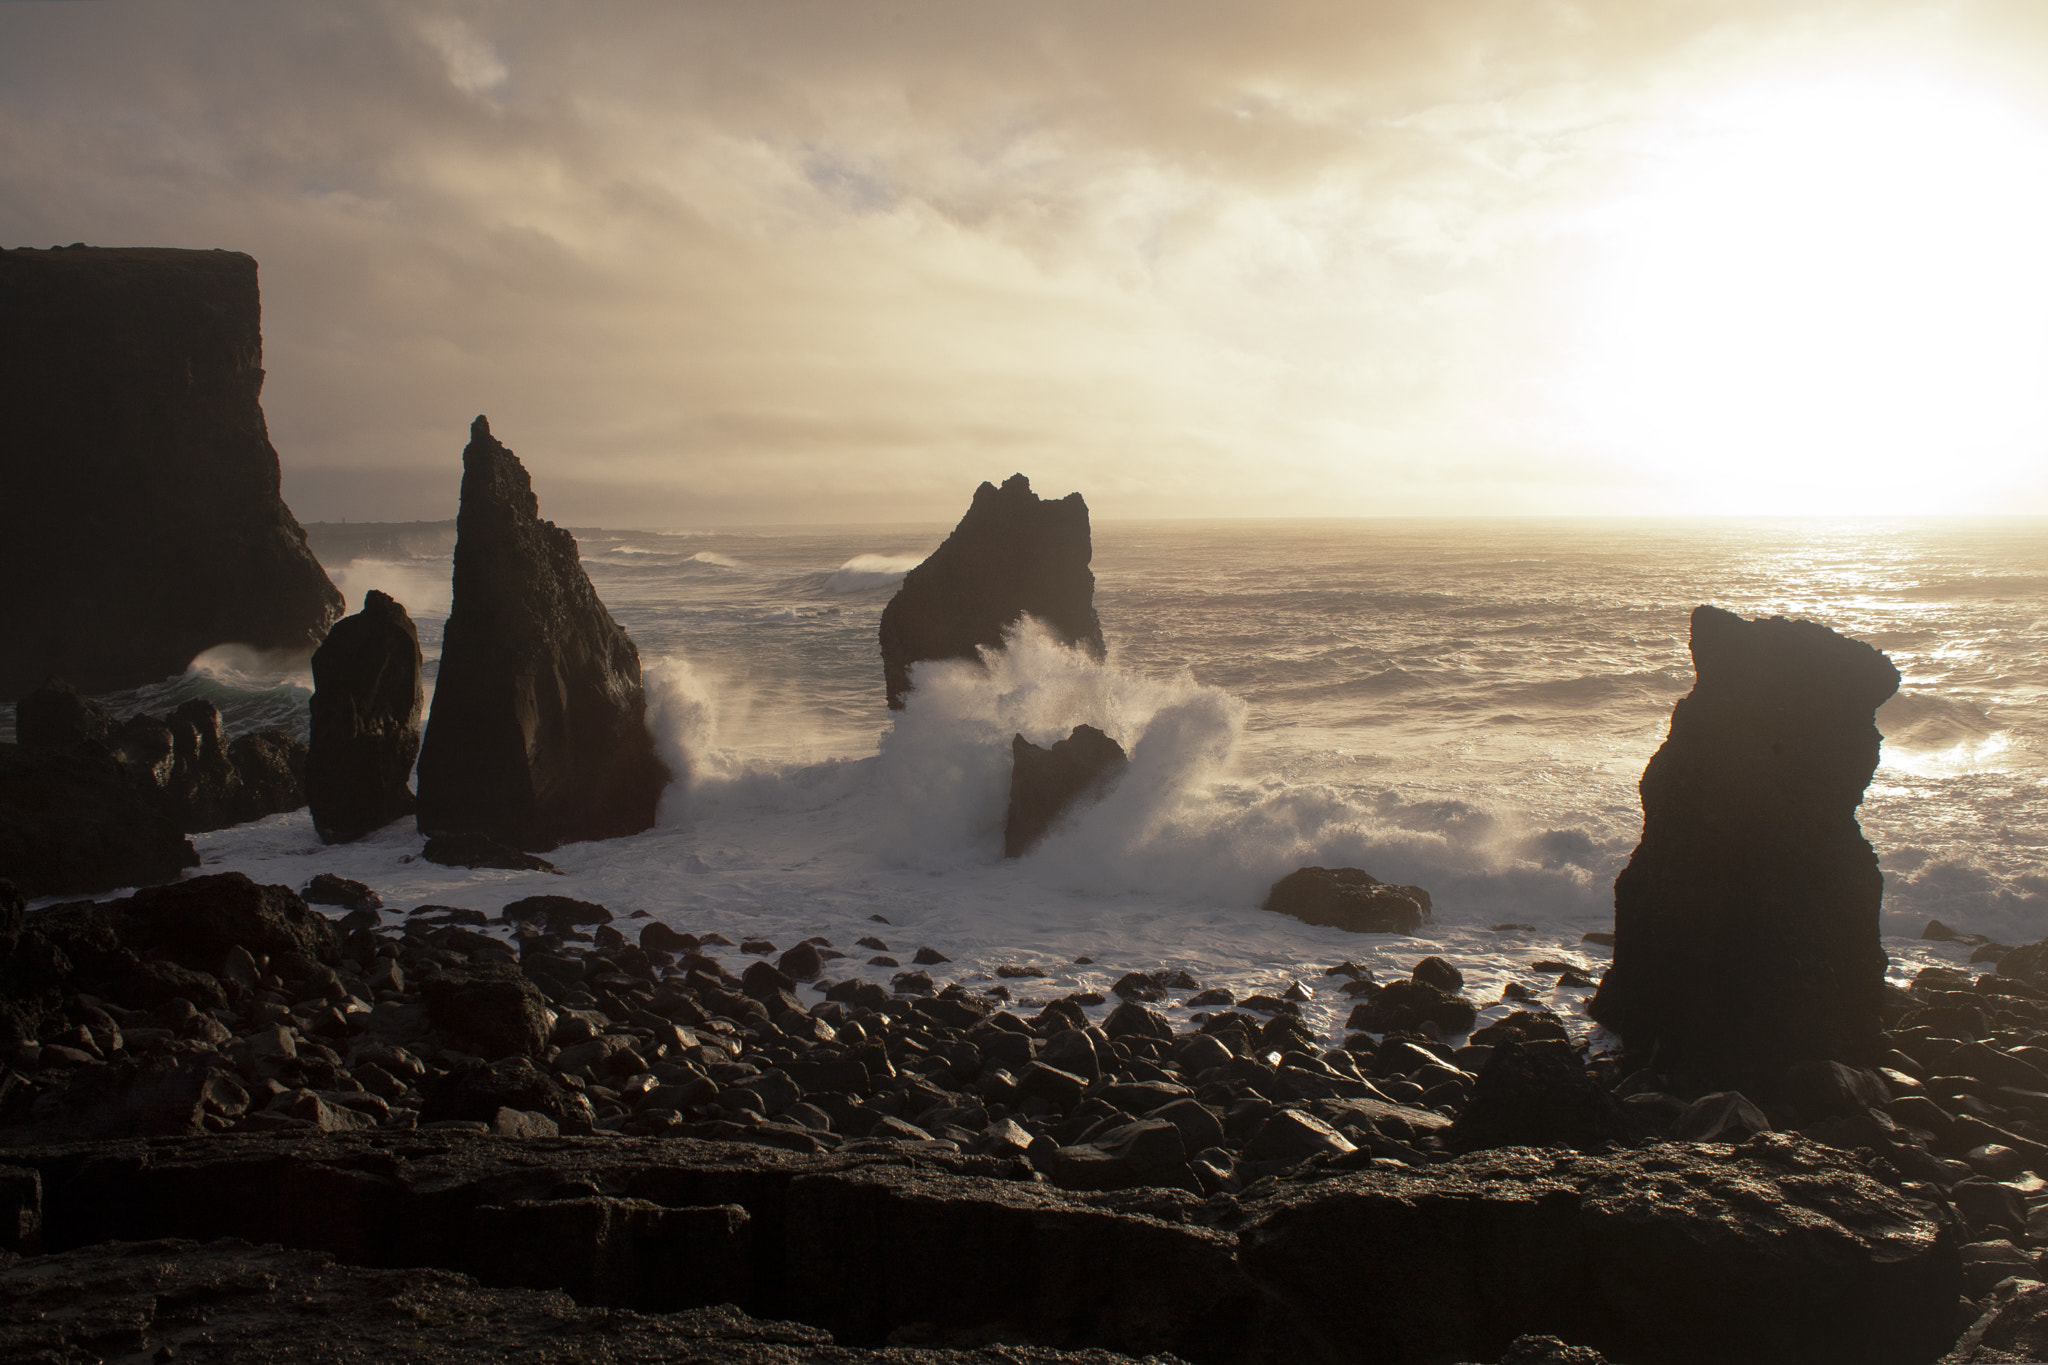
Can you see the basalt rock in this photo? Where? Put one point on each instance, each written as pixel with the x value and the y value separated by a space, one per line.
pixel 538 733
pixel 1046 783
pixel 1746 923
pixel 1348 898
pixel 1013 555
pixel 73 823
pixel 142 489
pixel 367 698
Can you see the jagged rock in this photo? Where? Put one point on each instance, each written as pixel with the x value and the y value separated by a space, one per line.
pixel 328 889
pixel 367 697
pixel 197 923
pixel 538 733
pixel 57 716
pixel 1046 783
pixel 72 822
pixel 1013 555
pixel 142 488
pixel 1746 922
pixel 1347 898
pixel 214 783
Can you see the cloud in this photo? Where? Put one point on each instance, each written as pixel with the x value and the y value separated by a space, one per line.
pixel 793 261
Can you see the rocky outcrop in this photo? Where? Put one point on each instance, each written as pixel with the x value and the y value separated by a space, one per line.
pixel 142 489
pixel 1746 922
pixel 78 833
pixel 1046 783
pixel 1348 898
pixel 1829 1263
pixel 367 698
pixel 75 823
pixel 1013 555
pixel 538 733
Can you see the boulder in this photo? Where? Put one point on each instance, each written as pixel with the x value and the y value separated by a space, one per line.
pixel 73 823
pixel 196 923
pixel 1537 1094
pixel 214 783
pixel 481 850
pixel 367 698
pixel 142 488
pixel 538 734
pixel 492 1007
pixel 1746 922
pixel 57 716
pixel 1013 555
pixel 1347 898
pixel 1046 783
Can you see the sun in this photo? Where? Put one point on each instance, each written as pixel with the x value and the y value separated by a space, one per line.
pixel 1828 298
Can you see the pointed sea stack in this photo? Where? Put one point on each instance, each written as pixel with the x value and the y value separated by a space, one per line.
pixel 1045 783
pixel 367 698
pixel 538 732
pixel 142 498
pixel 1746 923
pixel 1014 554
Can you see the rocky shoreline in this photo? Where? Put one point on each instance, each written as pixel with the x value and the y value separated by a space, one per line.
pixel 562 1108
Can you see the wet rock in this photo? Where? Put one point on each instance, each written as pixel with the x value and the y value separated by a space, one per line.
pixel 1047 783
pixel 1725 1116
pixel 214 783
pixel 1012 555
pixel 328 889
pixel 142 490
pixel 1347 898
pixel 480 850
pixel 1404 1005
pixel 1290 1136
pixel 478 1091
pixel 558 914
pixel 367 698
pixel 802 963
pixel 73 823
pixel 1746 934
pixel 1434 971
pixel 538 734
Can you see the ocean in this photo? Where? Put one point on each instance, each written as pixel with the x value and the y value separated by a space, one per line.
pixel 1461 705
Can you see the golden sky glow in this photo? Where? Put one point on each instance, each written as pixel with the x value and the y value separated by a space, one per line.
pixel 711 263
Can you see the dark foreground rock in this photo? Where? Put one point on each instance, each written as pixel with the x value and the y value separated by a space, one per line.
pixel 266 1305
pixel 1046 783
pixel 367 697
pixel 1013 555
pixel 1637 1255
pixel 538 733
pixel 1746 922
pixel 1348 898
pixel 142 489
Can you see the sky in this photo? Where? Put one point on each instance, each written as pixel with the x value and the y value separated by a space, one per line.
pixel 714 264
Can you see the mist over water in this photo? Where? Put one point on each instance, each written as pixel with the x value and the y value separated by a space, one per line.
pixel 1464 706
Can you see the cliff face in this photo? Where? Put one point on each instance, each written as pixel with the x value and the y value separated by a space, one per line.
pixel 1013 554
pixel 1746 922
pixel 538 731
pixel 140 487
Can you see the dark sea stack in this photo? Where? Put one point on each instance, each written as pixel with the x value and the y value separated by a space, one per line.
pixel 1046 783
pixel 1746 923
pixel 142 495
pixel 538 735
pixel 367 698
pixel 1349 898
pixel 1013 555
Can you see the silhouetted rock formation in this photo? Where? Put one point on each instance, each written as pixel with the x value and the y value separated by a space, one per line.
pixel 538 734
pixel 1044 783
pixel 1746 923
pixel 1013 554
pixel 142 489
pixel 93 803
pixel 1347 898
pixel 73 822
pixel 367 697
